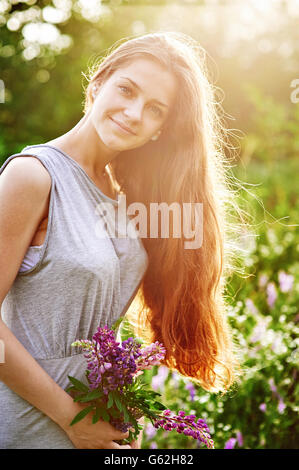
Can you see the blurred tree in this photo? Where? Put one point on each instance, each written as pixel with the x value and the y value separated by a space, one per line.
pixel 273 130
pixel 45 46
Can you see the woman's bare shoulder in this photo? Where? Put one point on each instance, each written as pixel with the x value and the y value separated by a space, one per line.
pixel 24 198
pixel 28 171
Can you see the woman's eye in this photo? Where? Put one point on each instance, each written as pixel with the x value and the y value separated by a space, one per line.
pixel 125 89
pixel 157 110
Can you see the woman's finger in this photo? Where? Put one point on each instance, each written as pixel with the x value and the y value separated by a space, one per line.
pixel 119 437
pixel 115 434
pixel 134 445
pixel 114 445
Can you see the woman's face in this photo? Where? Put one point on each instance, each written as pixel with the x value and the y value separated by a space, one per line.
pixel 137 96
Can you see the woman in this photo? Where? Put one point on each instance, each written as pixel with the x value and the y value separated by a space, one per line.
pixel 150 131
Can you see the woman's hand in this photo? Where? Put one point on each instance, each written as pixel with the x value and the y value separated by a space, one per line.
pixel 101 435
pixel 137 444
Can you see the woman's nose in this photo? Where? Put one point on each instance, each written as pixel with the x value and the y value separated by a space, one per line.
pixel 134 112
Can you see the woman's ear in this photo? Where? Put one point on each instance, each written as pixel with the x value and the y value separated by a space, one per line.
pixel 94 91
pixel 96 88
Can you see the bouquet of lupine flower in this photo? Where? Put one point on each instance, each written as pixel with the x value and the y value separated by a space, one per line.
pixel 116 393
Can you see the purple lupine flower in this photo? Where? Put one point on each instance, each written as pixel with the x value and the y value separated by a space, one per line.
pixel 273 387
pixel 285 281
pixel 191 389
pixel 159 379
pixel 176 379
pixel 251 307
pixel 278 345
pixel 230 444
pixel 240 439
pixel 110 364
pixel 150 431
pixel 187 425
pixel 281 406
pixel 153 445
pixel 151 356
pixel 263 407
pixel 259 331
pixel 263 279
pixel 271 294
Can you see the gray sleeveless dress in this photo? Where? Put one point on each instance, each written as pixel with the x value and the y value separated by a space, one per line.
pixel 83 277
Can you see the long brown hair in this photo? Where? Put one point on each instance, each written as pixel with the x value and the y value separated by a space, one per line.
pixel 181 300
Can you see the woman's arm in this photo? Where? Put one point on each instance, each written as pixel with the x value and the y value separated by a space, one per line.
pixel 22 374
pixel 24 189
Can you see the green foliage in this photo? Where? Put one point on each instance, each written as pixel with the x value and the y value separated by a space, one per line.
pixel 84 412
pixel 126 331
pixel 44 82
pixel 273 130
pixel 115 326
pixel 44 93
pixel 77 384
pixel 263 404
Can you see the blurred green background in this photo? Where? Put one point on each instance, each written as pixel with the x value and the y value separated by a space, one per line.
pixel 253 57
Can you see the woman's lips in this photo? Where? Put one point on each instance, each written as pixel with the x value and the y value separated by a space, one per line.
pixel 124 129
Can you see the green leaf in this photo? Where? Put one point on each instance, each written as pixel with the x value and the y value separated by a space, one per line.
pixel 92 396
pixel 126 415
pixel 115 413
pixel 117 323
pixel 134 422
pixel 79 398
pixel 159 406
pixel 153 394
pixel 118 403
pixel 81 415
pixel 96 416
pixel 78 384
pixel 70 389
pixel 127 330
pixel 151 414
pixel 110 400
pixel 103 413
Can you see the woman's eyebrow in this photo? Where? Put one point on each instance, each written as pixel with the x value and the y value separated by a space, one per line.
pixel 137 86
